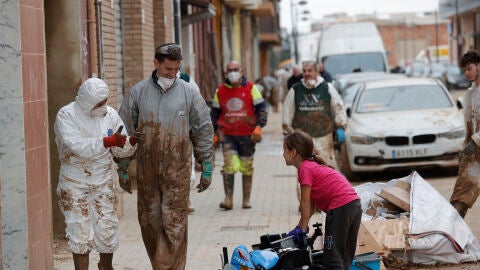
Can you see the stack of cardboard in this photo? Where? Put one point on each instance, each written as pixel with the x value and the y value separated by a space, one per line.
pixel 388 229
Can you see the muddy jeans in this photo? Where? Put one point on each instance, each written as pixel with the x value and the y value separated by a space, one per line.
pixel 466 188
pixel 90 215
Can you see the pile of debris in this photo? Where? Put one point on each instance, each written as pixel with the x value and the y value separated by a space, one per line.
pixel 407 221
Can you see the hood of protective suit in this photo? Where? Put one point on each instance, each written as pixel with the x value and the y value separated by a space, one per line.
pixel 90 93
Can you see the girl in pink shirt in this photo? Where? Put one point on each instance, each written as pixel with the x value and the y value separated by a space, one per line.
pixel 328 190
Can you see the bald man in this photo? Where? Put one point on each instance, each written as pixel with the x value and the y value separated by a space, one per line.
pixel 238 114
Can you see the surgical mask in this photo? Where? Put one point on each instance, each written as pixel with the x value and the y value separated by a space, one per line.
pixel 165 83
pixel 234 77
pixel 311 83
pixel 99 112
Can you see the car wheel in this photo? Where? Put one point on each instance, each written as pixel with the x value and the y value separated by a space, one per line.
pixel 343 165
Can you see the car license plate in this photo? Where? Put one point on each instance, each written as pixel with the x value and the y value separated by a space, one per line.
pixel 409 153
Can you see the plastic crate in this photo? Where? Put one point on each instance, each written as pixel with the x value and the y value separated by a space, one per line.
pixel 371 260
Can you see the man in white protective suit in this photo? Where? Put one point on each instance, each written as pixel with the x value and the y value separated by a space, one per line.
pixel 88 134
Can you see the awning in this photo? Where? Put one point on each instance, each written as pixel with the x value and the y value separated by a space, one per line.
pixel 265 9
pixel 450 8
pixel 208 11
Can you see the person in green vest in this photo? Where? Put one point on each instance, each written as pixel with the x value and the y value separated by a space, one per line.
pixel 314 106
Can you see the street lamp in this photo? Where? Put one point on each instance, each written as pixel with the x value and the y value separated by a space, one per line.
pixel 293 11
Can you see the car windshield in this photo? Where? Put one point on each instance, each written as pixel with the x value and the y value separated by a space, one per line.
pixel 347 63
pixel 350 92
pixel 402 98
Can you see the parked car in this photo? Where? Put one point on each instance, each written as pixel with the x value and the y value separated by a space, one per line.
pixel 454 78
pixel 354 84
pixel 437 70
pixel 403 123
pixel 416 69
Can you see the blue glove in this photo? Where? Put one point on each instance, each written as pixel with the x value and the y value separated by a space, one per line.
pixel 298 234
pixel 340 135
pixel 206 177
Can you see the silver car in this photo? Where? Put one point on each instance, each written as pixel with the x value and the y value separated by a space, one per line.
pixel 403 123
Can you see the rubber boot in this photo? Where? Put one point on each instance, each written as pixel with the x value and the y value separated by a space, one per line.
pixel 228 181
pixel 460 207
pixel 190 207
pixel 80 261
pixel 105 261
pixel 247 189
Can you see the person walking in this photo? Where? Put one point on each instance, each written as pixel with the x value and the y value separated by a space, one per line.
pixel 270 87
pixel 328 190
pixel 296 76
pixel 324 73
pixel 84 134
pixel 314 106
pixel 238 114
pixel 466 189
pixel 167 115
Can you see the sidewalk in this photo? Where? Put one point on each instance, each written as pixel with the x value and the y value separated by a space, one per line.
pixel 275 210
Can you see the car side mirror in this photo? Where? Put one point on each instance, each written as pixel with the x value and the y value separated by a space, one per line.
pixel 349 112
pixel 460 103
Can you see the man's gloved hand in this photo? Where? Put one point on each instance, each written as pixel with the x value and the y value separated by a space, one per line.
pixel 257 134
pixel 216 140
pixel 137 137
pixel 122 171
pixel 298 234
pixel 206 176
pixel 117 139
pixel 340 135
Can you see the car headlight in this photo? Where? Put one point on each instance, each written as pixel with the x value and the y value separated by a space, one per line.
pixel 362 139
pixel 454 134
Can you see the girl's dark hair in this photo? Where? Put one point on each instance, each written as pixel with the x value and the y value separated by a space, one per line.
pixel 470 57
pixel 303 144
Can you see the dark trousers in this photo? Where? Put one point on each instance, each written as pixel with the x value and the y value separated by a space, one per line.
pixel 341 230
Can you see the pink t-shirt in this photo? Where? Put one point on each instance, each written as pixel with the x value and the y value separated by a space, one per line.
pixel 329 188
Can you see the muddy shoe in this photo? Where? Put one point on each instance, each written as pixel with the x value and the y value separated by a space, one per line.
pixel 227 204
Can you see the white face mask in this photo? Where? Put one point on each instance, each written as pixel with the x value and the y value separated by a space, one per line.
pixel 234 77
pixel 99 112
pixel 310 83
pixel 165 83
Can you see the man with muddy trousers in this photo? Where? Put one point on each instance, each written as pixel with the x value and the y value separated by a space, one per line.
pixel 466 189
pixel 170 119
pixel 314 106
pixel 238 114
pixel 88 134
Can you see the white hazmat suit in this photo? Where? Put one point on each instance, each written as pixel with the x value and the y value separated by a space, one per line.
pixel 86 188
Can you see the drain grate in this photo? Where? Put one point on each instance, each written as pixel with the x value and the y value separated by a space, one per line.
pixel 244 228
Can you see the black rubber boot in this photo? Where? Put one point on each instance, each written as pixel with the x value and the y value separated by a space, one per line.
pixel 80 261
pixel 105 261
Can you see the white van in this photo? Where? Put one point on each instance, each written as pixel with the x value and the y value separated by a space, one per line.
pixel 352 47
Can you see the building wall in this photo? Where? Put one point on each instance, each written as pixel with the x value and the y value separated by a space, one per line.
pixel 109 52
pixel 163 31
pixel 26 212
pixel 138 46
pixel 404 42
